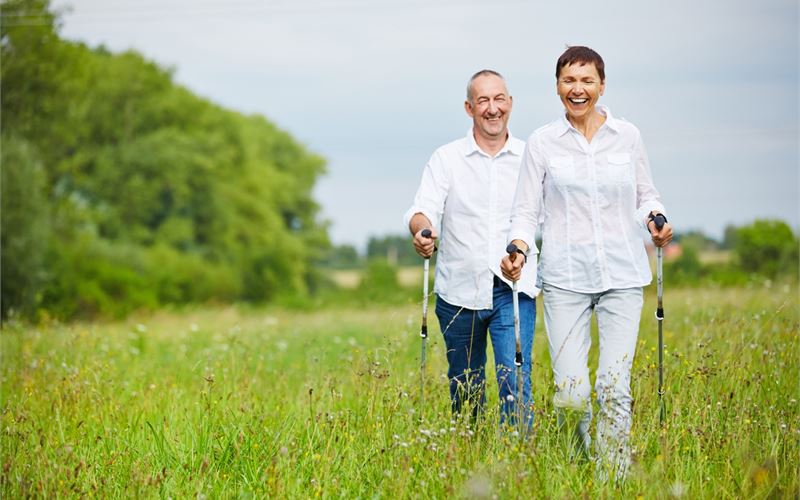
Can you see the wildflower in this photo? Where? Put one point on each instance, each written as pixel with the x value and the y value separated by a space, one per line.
pixel 677 489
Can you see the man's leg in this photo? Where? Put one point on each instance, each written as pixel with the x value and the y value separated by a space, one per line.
pixel 567 317
pixel 465 340
pixel 618 314
pixel 501 331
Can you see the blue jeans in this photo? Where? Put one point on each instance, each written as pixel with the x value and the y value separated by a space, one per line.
pixel 464 332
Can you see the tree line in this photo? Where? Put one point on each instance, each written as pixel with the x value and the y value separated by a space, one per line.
pixel 123 190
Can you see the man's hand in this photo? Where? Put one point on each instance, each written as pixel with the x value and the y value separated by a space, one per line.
pixel 425 246
pixel 660 238
pixel 511 265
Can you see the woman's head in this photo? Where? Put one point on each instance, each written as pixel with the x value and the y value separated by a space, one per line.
pixel 580 81
pixel 581 56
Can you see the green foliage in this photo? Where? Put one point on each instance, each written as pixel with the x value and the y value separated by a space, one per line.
pixel 24 219
pixel 686 268
pixel 396 248
pixel 768 247
pixel 342 257
pixel 380 280
pixel 150 194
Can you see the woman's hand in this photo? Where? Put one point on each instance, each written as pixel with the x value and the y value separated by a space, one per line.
pixel 662 237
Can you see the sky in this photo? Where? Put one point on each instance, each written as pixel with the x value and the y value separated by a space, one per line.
pixel 375 86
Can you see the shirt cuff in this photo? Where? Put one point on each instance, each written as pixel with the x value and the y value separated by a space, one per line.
pixel 528 237
pixel 411 212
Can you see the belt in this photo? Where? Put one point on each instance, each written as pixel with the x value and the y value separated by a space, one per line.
pixel 498 282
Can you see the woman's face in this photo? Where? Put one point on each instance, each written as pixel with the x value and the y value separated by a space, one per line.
pixel 579 87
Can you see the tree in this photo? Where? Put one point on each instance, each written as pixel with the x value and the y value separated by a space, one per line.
pixel 25 226
pixel 768 247
pixel 147 193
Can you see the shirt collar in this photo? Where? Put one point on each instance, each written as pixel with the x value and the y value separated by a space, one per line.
pixel 613 123
pixel 511 146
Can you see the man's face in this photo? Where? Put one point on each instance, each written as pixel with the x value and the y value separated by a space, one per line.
pixel 490 106
pixel 579 88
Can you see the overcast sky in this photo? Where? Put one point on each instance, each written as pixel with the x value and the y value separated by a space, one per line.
pixel 375 86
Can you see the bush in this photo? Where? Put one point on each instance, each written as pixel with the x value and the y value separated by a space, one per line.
pixel 768 247
pixel 380 279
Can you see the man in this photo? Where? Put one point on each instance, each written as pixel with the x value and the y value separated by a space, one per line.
pixel 463 199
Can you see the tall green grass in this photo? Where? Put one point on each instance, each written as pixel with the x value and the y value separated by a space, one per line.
pixel 228 402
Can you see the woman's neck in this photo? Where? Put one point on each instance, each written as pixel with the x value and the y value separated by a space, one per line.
pixel 589 124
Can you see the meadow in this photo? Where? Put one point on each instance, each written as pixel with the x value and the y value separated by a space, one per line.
pixel 238 402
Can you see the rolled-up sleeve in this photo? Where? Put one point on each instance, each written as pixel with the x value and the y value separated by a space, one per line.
pixel 647 197
pixel 432 192
pixel 528 197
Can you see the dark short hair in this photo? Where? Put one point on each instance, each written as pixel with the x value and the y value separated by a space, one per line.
pixel 483 72
pixel 581 55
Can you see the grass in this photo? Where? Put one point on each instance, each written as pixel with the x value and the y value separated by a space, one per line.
pixel 229 402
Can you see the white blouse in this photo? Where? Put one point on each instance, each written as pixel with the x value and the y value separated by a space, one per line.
pixel 592 200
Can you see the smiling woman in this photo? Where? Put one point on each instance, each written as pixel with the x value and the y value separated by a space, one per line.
pixel 588 176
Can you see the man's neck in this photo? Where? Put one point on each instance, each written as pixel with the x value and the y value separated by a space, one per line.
pixel 490 145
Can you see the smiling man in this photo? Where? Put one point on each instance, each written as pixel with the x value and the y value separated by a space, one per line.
pixel 463 199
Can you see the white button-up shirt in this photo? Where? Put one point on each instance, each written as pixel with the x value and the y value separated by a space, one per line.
pixel 467 196
pixel 593 199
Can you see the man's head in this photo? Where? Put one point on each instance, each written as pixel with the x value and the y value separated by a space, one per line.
pixel 489 104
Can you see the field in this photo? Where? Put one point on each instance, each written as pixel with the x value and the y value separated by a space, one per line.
pixel 238 402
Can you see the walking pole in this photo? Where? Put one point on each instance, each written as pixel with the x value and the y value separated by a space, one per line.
pixel 512 250
pixel 423 333
pixel 659 222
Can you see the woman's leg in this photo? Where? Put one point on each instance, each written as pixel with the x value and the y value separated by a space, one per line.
pixel 618 314
pixel 566 316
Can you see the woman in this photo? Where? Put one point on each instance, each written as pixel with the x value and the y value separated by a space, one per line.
pixel 587 177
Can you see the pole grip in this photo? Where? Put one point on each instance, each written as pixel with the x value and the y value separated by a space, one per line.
pixel 659 221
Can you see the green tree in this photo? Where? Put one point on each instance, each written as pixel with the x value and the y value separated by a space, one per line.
pixel 768 247
pixel 394 247
pixel 24 224
pixel 149 194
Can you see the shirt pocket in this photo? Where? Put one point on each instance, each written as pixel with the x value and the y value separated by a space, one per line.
pixel 562 169
pixel 618 171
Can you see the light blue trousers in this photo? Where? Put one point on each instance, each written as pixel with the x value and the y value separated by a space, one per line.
pixel 567 317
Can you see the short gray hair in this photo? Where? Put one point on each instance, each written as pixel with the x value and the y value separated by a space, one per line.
pixel 483 72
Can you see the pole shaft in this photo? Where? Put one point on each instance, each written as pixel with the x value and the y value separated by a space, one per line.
pixel 518 358
pixel 423 333
pixel 660 318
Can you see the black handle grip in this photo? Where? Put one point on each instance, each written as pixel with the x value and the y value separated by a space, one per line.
pixel 426 233
pixel 659 220
pixel 511 249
